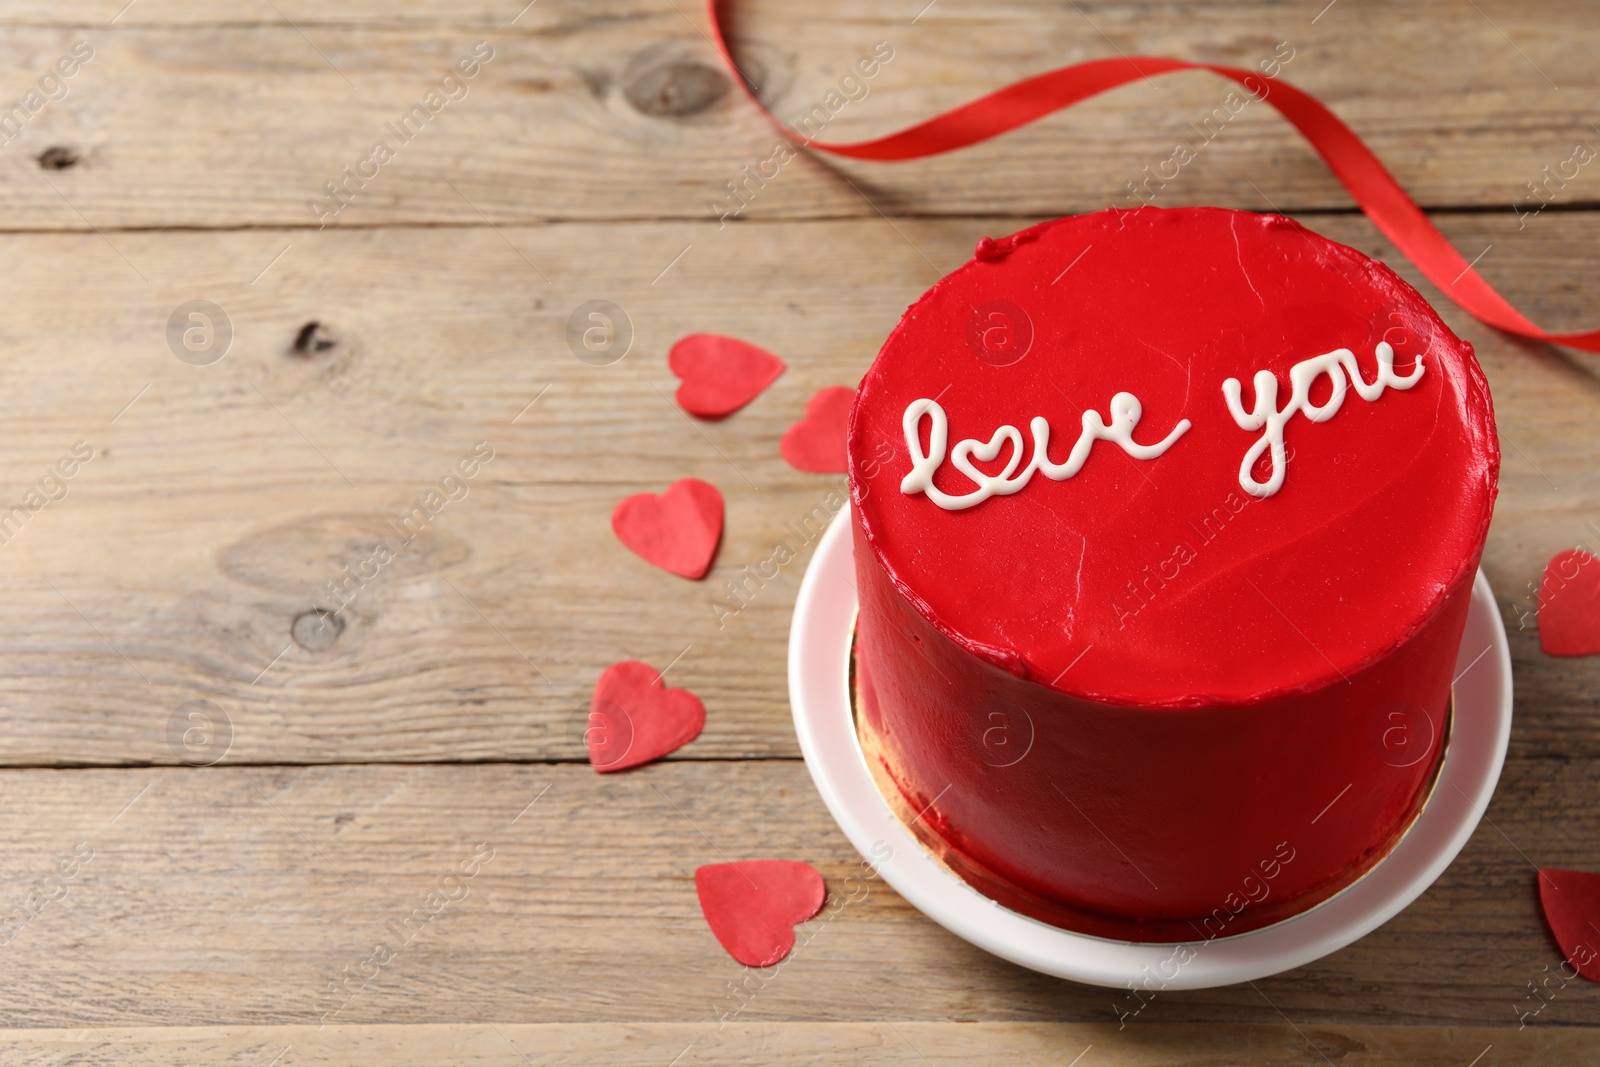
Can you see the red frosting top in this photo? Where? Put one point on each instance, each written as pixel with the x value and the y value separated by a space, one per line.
pixel 1137 563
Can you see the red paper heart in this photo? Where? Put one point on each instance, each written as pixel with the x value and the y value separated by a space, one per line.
pixel 720 374
pixel 1569 605
pixel 753 906
pixel 678 531
pixel 634 718
pixel 817 442
pixel 1571 901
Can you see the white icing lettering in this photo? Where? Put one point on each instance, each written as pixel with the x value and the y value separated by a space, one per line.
pixel 1125 413
pixel 1269 418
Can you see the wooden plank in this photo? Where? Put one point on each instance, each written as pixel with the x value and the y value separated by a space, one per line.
pixel 238 896
pixel 217 509
pixel 154 915
pixel 237 116
pixel 780 1044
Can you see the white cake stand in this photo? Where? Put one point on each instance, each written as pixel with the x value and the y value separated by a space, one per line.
pixel 819 653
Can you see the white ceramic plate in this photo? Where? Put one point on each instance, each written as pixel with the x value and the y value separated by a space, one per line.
pixel 819 653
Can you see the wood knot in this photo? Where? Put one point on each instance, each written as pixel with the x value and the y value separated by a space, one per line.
pixel 313 340
pixel 676 88
pixel 58 157
pixel 1335 1046
pixel 320 559
pixel 316 630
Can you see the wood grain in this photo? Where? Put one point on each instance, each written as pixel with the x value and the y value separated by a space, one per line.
pixel 190 116
pixel 223 501
pixel 504 1044
pixel 363 760
pixel 236 896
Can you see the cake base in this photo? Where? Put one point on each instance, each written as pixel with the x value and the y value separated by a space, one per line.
pixel 819 684
pixel 1099 924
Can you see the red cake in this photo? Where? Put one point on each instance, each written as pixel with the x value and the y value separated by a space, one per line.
pixel 1166 523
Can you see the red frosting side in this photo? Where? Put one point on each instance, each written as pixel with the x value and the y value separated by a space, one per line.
pixel 1121 692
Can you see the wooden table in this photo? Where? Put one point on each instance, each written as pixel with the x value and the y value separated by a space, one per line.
pixel 161 912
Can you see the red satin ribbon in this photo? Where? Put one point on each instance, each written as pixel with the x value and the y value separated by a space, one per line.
pixel 1352 162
